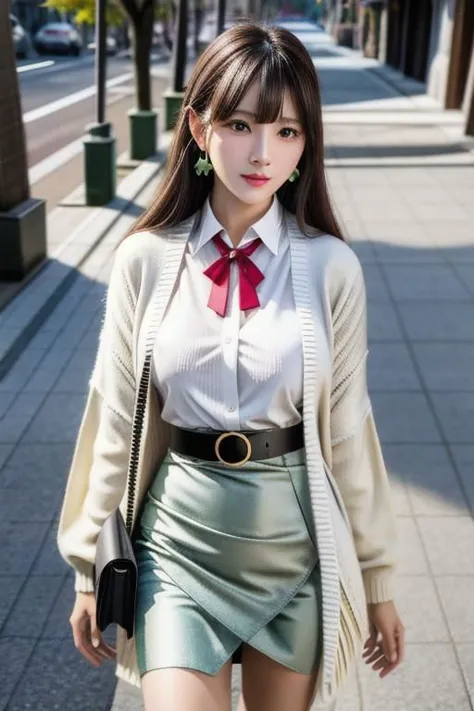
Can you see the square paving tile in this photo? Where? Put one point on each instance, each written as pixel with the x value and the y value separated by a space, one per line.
pixel 6 399
pixel 38 594
pixel 466 272
pixel 457 594
pixel 36 465
pixel 449 542
pixel 49 560
pixel 383 324
pixel 415 593
pixel 404 418
pixel 429 679
pixel 10 587
pixel 18 417
pixel 430 482
pixel 5 452
pixel 446 366
pixel 438 321
pixel 375 285
pixel 75 378
pixel 26 505
pixel 21 371
pixel 432 282
pixel 14 654
pixel 412 558
pixel 19 545
pixel 58 419
pixel 466 656
pixel 456 414
pixel 390 367
pixel 58 625
pixel 464 459
pixel 58 677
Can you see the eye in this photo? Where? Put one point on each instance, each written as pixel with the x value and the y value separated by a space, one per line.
pixel 242 123
pixel 293 130
pixel 239 123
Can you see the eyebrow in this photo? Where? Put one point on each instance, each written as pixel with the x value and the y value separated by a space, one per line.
pixel 249 113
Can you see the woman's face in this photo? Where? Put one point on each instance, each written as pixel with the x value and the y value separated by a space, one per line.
pixel 240 146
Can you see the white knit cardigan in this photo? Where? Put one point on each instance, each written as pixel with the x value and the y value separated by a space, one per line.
pixel 350 492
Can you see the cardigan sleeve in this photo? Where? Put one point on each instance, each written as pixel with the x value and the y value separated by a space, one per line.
pixel 357 462
pixel 98 473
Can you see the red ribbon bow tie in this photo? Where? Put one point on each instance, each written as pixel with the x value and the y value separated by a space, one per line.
pixel 250 276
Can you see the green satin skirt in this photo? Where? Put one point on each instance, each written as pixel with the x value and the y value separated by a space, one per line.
pixel 227 556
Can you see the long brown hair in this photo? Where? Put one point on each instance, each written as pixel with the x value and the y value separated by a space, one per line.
pixel 220 78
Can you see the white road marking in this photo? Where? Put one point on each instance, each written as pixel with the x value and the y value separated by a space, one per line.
pixel 63 155
pixel 66 101
pixel 55 160
pixel 37 65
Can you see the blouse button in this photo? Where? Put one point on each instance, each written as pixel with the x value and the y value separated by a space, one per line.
pixel 228 340
pixel 231 408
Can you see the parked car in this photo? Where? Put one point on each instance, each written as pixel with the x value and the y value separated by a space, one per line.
pixel 58 37
pixel 21 38
pixel 111 46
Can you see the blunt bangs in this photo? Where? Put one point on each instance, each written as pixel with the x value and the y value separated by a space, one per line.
pixel 274 76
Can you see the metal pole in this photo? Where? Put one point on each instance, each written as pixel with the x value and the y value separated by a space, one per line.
pixel 180 46
pixel 100 58
pixel 221 8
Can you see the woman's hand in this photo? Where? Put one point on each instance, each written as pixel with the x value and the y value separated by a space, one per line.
pixel 388 652
pixel 87 636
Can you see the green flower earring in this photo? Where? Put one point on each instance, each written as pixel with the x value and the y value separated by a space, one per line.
pixel 203 165
pixel 294 176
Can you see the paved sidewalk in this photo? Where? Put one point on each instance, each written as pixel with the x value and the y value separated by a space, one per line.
pixel 403 183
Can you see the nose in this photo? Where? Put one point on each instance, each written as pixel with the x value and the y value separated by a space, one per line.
pixel 261 145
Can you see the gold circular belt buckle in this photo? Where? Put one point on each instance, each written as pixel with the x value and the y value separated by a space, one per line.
pixel 224 436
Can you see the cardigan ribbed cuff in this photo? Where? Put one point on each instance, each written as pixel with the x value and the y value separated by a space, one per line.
pixel 378 584
pixel 84 581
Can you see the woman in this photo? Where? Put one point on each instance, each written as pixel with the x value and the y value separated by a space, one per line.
pixel 235 328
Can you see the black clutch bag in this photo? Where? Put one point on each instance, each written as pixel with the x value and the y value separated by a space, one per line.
pixel 115 576
pixel 115 569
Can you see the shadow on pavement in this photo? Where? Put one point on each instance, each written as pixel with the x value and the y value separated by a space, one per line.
pixel 420 308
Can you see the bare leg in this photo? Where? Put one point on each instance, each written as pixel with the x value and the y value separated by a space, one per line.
pixel 187 690
pixel 269 686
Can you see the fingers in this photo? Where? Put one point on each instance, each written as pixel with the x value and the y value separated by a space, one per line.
pixel 97 641
pixel 81 642
pixel 400 635
pixel 388 653
pixel 81 628
pixel 372 641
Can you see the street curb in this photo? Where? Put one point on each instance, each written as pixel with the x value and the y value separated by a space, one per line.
pixel 35 303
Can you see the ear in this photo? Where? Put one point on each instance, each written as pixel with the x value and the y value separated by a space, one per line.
pixel 196 128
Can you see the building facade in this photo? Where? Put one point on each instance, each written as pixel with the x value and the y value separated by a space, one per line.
pixel 433 42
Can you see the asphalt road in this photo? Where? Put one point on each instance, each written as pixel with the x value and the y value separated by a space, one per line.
pixel 58 101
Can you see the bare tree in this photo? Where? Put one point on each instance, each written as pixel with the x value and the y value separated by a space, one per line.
pixel 14 185
pixel 142 16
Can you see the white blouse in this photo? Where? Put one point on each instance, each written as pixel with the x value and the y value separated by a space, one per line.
pixel 243 370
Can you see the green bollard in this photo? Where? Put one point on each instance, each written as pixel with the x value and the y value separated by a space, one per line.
pixel 99 164
pixel 142 125
pixel 173 103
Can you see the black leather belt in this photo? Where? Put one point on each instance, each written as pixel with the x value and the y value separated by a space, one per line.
pixel 237 447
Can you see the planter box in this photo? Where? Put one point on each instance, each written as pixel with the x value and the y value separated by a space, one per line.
pixel 142 126
pixel 173 103
pixel 22 239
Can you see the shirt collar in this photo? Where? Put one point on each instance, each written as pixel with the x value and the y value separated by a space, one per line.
pixel 268 227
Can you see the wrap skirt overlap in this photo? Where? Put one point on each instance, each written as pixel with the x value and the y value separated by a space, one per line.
pixel 227 556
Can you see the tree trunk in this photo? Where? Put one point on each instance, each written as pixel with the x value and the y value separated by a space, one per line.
pixel 14 185
pixel 198 20
pixel 142 20
pixel 180 46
